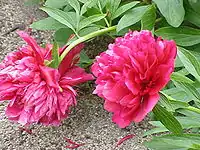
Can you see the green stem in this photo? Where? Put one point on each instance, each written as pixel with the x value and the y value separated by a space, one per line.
pixel 194 109
pixel 85 38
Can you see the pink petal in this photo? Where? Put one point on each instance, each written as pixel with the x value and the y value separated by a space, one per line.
pixel 71 59
pixel 75 75
pixel 30 41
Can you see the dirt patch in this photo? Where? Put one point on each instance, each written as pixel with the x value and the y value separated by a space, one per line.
pixel 88 123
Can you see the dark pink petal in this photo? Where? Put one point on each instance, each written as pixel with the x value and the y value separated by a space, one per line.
pixel 71 59
pixel 122 140
pixel 145 107
pixel 75 75
pixel 50 75
pixel 30 41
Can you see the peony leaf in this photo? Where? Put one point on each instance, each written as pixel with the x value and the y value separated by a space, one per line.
pixel 195 5
pixel 164 101
pixel 192 17
pixel 31 2
pixel 47 24
pixel 62 35
pixel 167 119
pixel 91 19
pixel 183 36
pixel 56 4
pixel 88 4
pixel 172 10
pixel 112 6
pixel 190 62
pixel 122 9
pixel 189 89
pixel 149 18
pixel 75 4
pixel 85 61
pixel 131 17
pixel 180 78
pixel 174 142
pixel 60 16
pixel 55 56
pixel 83 1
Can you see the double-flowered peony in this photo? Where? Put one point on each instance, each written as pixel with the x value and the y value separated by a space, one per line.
pixel 36 92
pixel 131 73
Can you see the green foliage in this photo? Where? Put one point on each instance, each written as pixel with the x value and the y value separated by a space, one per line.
pixel 31 2
pixel 85 61
pixel 55 3
pixel 190 62
pixel 174 142
pixel 167 119
pixel 184 36
pixel 172 10
pixel 47 24
pixel 149 18
pixel 132 17
pixel 123 9
pixel 55 56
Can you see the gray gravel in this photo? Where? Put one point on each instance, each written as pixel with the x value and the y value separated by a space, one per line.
pixel 88 123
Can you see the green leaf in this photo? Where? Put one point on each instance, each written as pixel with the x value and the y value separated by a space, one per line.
pixel 159 128
pixel 88 30
pixel 31 2
pixel 183 36
pixel 173 142
pixel 83 1
pixel 55 3
pixel 60 16
pixel 62 35
pixel 88 4
pixel 47 24
pixel 112 5
pixel 122 9
pixel 85 61
pixel 91 19
pixel 195 5
pixel 68 8
pixel 164 101
pixel 75 4
pixel 180 78
pixel 172 10
pixel 178 93
pixel 189 89
pixel 190 62
pixel 131 17
pixel 186 122
pixel 193 17
pixel 55 56
pixel 149 18
pixel 167 119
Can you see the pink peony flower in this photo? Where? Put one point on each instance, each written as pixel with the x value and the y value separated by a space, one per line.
pixel 131 73
pixel 37 93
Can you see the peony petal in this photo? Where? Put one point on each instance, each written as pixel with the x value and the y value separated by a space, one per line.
pixel 50 75
pixel 36 48
pixel 74 76
pixel 71 59
pixel 148 104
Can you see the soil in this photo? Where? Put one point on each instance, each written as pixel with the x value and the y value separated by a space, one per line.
pixel 88 123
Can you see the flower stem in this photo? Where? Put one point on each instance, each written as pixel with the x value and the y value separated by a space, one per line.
pixel 85 38
pixel 194 109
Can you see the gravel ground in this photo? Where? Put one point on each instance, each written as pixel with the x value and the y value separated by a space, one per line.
pixel 88 123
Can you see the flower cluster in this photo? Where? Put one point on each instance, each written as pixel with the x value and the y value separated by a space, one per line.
pixel 131 73
pixel 38 93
